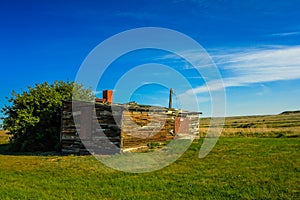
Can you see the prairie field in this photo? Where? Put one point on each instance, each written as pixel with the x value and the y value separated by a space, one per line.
pixel 281 125
pixel 255 158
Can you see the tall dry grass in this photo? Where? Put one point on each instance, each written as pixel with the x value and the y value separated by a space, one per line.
pixel 255 132
pixel 257 126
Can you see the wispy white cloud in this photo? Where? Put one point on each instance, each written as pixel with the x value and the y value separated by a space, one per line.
pixel 264 65
pixel 255 66
pixel 286 33
pixel 242 67
pixel 199 59
pixel 264 90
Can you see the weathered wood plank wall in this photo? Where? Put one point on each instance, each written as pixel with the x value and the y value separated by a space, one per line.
pixel 98 126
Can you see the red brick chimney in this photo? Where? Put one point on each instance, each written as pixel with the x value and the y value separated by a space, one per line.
pixel 108 96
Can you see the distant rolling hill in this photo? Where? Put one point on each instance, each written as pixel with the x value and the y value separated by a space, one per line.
pixel 290 112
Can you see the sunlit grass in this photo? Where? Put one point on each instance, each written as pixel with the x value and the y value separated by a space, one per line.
pixel 255 158
pixel 248 168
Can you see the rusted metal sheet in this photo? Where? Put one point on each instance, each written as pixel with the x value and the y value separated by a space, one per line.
pixel 181 125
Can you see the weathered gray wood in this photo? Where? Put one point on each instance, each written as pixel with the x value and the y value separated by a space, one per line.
pixel 113 128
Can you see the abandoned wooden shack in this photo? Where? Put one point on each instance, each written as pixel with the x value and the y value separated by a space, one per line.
pixel 102 127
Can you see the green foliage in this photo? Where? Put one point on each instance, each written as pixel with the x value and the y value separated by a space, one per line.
pixel 33 118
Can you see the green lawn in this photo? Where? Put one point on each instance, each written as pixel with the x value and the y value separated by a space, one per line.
pixel 239 168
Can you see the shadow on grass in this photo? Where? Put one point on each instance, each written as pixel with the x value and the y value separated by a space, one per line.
pixel 4 150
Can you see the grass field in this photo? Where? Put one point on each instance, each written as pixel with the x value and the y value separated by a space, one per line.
pixel 281 125
pixel 238 167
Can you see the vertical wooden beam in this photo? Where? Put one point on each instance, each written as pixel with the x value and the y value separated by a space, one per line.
pixel 170 98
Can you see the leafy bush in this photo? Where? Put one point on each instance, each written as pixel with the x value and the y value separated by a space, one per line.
pixel 33 118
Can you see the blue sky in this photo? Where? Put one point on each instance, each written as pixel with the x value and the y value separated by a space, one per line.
pixel 254 43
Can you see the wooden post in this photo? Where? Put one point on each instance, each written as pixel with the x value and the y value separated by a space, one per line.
pixel 170 98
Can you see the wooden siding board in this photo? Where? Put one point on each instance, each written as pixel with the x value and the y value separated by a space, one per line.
pixel 139 126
